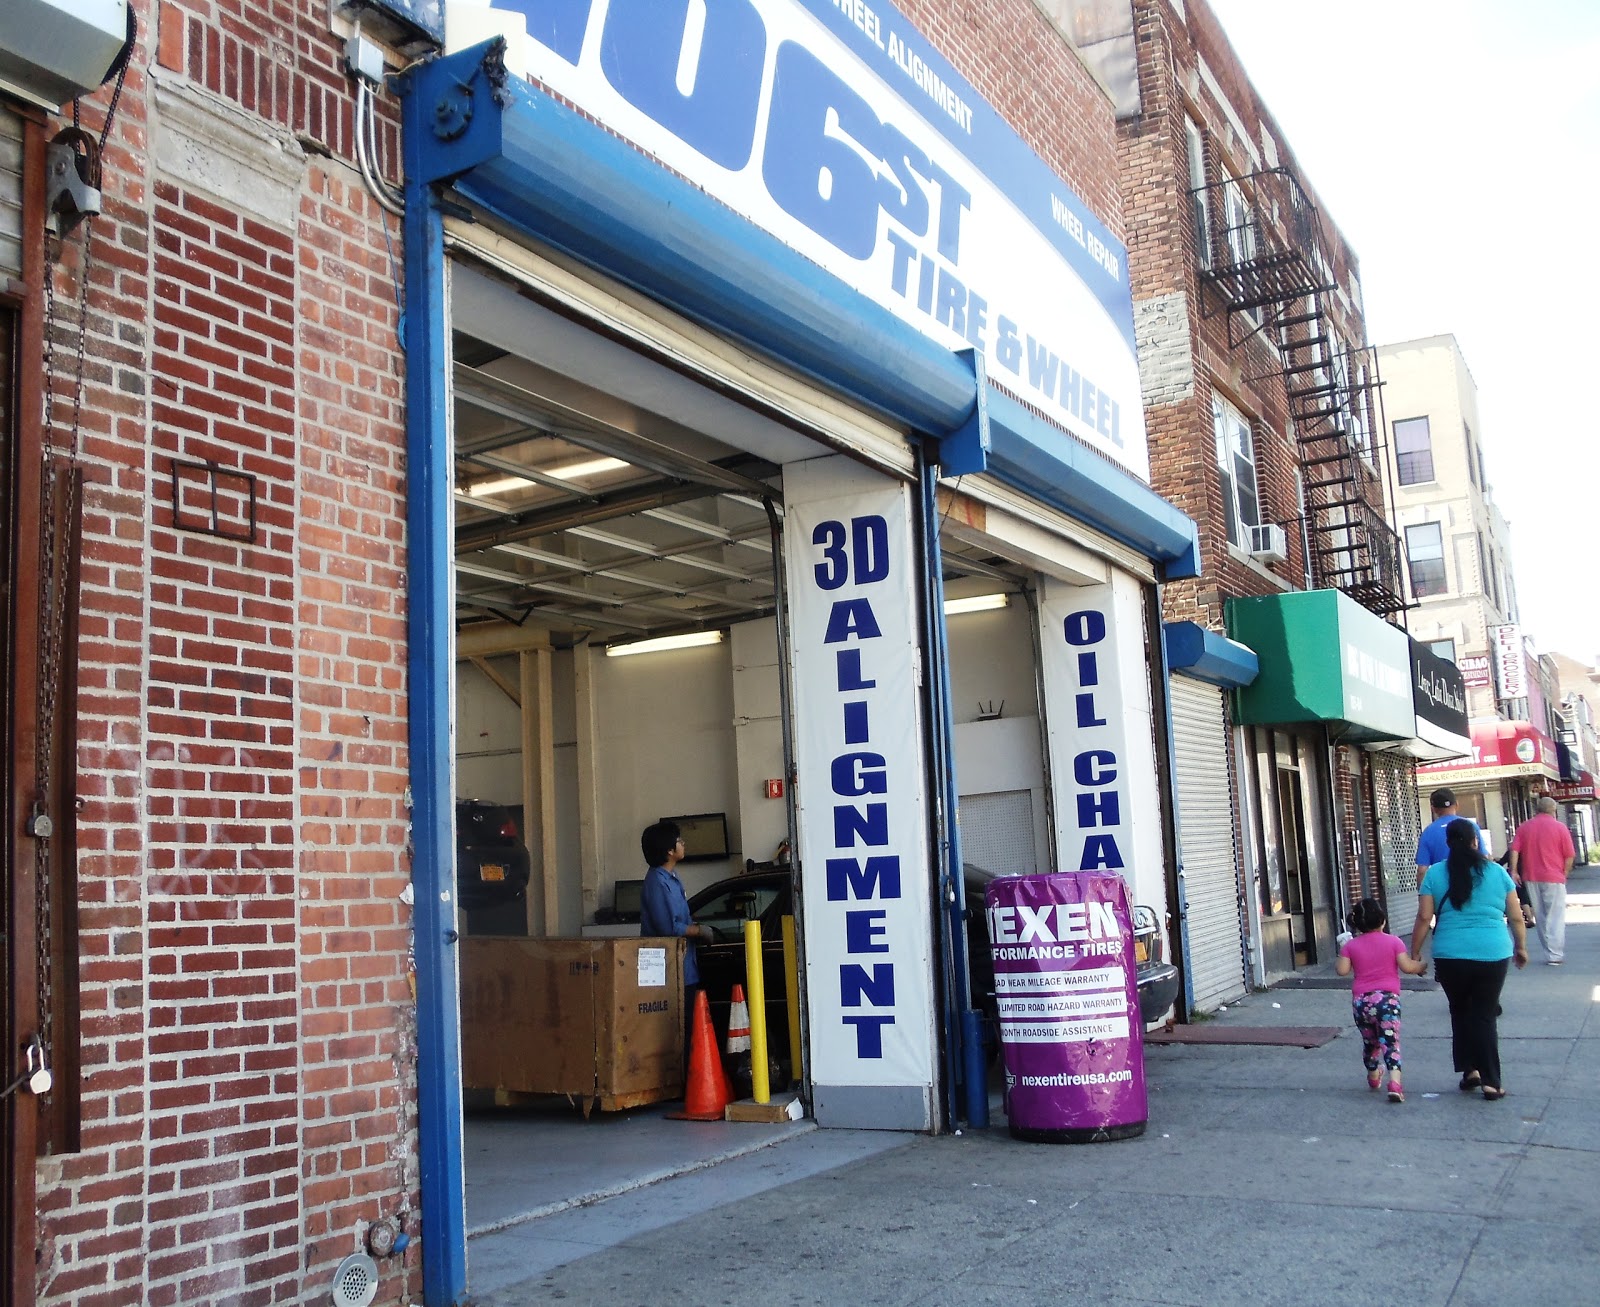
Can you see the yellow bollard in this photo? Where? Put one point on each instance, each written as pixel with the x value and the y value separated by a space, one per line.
pixel 756 989
pixel 791 974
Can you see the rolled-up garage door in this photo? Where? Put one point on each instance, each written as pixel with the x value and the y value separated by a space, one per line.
pixel 1206 828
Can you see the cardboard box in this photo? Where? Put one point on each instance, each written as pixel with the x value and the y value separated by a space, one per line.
pixel 599 1021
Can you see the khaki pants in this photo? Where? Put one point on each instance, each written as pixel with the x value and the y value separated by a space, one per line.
pixel 1550 906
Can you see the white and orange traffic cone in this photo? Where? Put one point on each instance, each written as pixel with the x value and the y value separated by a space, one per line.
pixel 738 1022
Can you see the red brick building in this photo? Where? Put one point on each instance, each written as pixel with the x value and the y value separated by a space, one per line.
pixel 209 774
pixel 1261 400
pixel 221 969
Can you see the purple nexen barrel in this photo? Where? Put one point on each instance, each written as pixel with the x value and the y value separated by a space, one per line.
pixel 1066 979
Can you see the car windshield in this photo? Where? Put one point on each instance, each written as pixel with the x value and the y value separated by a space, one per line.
pixel 729 908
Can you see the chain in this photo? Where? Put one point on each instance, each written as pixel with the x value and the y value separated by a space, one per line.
pixel 56 512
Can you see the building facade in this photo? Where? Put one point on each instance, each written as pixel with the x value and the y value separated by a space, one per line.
pixel 1259 389
pixel 1459 558
pixel 740 385
pixel 206 789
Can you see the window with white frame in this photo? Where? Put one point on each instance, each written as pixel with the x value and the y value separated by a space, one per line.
pixel 1445 649
pixel 1202 198
pixel 1413 451
pixel 1240 217
pixel 1360 431
pixel 1425 554
pixel 1236 461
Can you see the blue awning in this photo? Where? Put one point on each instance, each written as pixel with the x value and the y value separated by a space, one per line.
pixel 1209 655
pixel 564 181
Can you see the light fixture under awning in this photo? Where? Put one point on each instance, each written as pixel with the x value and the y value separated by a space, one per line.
pixel 975 604
pixel 688 640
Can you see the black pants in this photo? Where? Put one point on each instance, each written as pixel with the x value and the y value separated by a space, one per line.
pixel 1473 989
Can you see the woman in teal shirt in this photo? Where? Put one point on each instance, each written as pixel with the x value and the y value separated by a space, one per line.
pixel 1478 917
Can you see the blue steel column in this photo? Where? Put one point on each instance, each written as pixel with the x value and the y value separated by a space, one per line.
pixel 964 1099
pixel 429 657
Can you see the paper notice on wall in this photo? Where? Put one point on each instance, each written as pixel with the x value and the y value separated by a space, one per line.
pixel 652 968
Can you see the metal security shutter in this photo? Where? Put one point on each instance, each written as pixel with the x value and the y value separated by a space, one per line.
pixel 1394 796
pixel 1206 829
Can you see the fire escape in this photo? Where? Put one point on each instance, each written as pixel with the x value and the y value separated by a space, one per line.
pixel 1259 250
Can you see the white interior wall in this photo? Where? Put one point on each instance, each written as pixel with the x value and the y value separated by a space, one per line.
pixel 992 668
pixel 488 735
pixel 763 823
pixel 991 661
pixel 665 747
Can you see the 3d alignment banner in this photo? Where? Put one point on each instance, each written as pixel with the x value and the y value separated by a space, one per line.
pixel 860 799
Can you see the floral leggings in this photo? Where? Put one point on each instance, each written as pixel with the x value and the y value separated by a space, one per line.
pixel 1378 1019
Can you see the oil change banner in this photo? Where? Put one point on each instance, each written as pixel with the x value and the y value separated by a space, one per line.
pixel 836 127
pixel 865 889
pixel 1099 730
pixel 1066 979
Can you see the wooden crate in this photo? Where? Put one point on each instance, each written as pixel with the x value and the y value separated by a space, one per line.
pixel 598 1021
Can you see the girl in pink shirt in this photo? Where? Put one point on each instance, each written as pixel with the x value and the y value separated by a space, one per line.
pixel 1377 958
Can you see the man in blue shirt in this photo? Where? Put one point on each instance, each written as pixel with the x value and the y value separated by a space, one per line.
pixel 1431 848
pixel 664 910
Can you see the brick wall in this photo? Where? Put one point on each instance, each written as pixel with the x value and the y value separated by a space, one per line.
pixel 1020 64
pixel 1154 169
pixel 248 1092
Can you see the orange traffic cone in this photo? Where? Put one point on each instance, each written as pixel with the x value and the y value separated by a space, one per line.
pixel 706 1096
pixel 738 1023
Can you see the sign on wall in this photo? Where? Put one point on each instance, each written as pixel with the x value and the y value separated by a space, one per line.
pixel 1511 661
pixel 839 129
pixel 1092 661
pixel 1475 671
pixel 860 796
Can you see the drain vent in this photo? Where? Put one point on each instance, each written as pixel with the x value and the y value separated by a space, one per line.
pixel 355 1283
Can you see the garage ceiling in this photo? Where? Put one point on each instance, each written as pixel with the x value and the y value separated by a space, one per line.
pixel 590 518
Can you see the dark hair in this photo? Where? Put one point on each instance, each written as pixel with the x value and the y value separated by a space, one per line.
pixel 1367 915
pixel 1465 862
pixel 658 841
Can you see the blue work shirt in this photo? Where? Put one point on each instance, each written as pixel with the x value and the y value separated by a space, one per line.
pixel 1432 848
pixel 664 910
pixel 1477 931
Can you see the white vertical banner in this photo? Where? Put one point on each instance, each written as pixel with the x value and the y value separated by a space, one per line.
pixel 860 801
pixel 1100 729
pixel 1510 659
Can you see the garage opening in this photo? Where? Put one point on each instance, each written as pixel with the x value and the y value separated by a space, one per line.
pixel 617 663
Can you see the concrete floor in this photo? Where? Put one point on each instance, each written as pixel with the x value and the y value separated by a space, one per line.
pixel 545 1187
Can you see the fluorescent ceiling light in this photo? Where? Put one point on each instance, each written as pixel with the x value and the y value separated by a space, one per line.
pixel 589 468
pixel 488 489
pixel 975 604
pixel 689 640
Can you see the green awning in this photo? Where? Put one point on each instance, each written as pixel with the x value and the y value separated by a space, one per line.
pixel 1325 658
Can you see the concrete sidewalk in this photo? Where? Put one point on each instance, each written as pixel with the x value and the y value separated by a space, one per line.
pixel 1267 1175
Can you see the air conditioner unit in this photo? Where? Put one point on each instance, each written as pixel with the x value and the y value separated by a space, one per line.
pixel 1268 544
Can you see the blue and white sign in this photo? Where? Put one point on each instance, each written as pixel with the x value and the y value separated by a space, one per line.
pixel 835 126
pixel 1100 732
pixel 860 803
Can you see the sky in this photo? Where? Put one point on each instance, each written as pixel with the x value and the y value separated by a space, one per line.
pixel 1457 147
